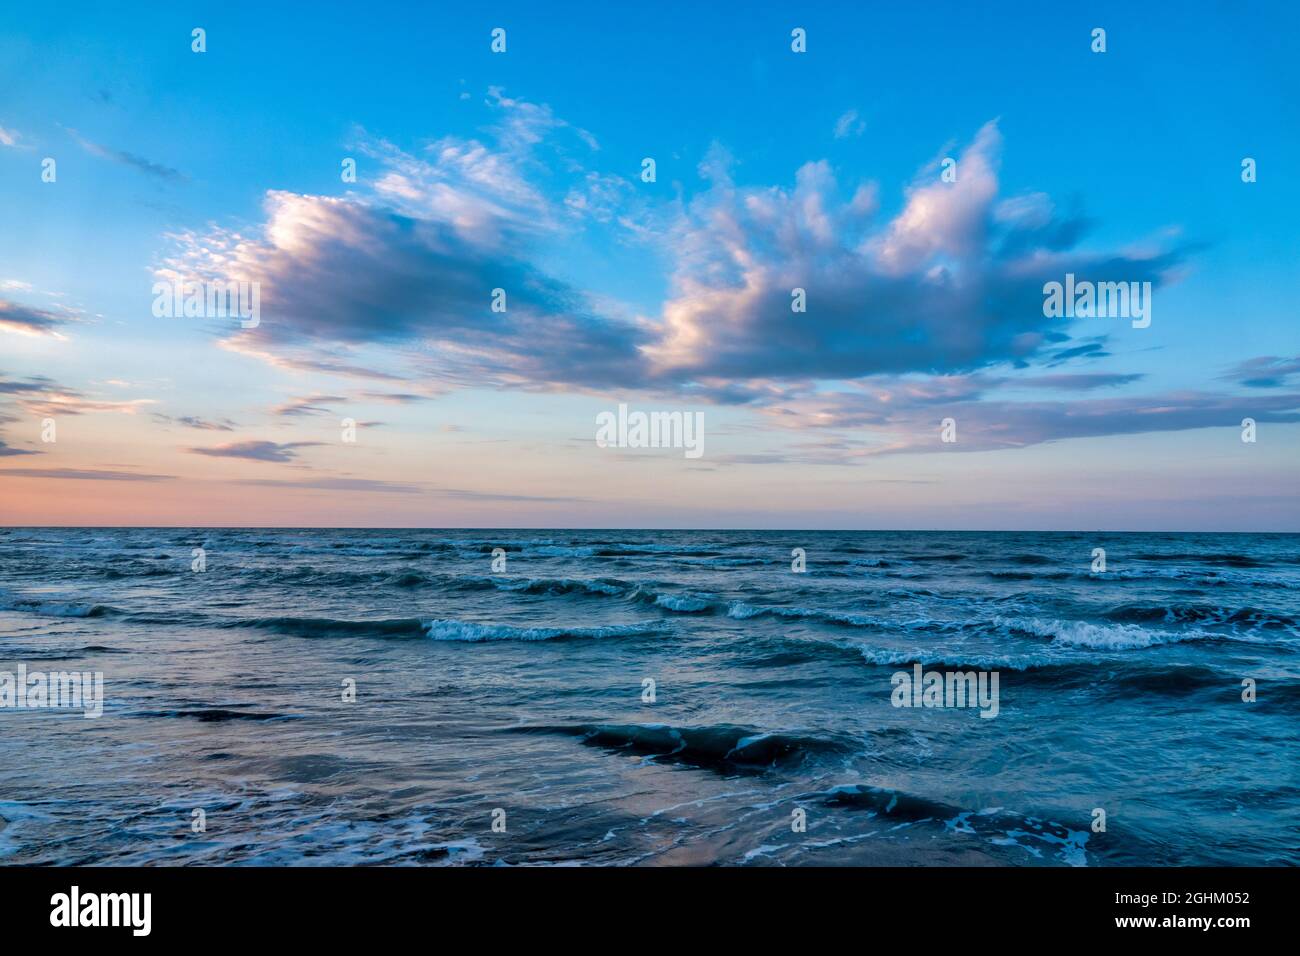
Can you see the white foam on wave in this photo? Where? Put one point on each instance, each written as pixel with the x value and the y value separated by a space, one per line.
pixel 1108 637
pixel 686 603
pixel 952 658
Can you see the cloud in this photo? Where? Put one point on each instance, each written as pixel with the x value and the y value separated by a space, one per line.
pixel 7 451
pixel 399 281
pixel 946 286
pixel 489 496
pixel 526 124
pixel 900 421
pixel 308 405
pixel 336 484
pixel 27 320
pixel 406 269
pixel 599 196
pixel 1080 382
pixel 339 272
pixel 81 474
pixel 849 125
pixel 1091 350
pixel 139 163
pixel 256 450
pixel 41 395
pixel 1266 371
pixel 323 359
pixel 9 137
pixel 393 398
pixel 193 421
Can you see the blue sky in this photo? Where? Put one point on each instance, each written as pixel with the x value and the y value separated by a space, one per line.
pixel 521 170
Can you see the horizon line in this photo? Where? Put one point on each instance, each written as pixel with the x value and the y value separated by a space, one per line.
pixel 792 530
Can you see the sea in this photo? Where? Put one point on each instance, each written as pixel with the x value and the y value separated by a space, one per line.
pixel 649 698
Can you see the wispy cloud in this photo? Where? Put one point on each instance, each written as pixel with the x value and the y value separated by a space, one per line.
pixel 193 421
pixel 324 359
pixel 7 450
pixel 256 450
pixel 336 484
pixel 1266 371
pixel 41 395
pixel 393 398
pixel 890 421
pixel 28 320
pixel 849 124
pixel 1083 381
pixel 490 496
pixel 138 163
pixel 82 474
pixel 307 405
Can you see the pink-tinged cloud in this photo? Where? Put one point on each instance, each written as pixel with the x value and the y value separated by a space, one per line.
pixel 28 320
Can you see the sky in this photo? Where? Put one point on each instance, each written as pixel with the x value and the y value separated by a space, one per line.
pixel 920 172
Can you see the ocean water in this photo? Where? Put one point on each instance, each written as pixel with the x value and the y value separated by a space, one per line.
pixel 520 699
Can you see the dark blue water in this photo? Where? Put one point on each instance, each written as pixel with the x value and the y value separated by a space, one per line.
pixel 520 697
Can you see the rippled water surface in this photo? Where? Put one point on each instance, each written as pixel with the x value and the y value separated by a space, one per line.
pixel 522 691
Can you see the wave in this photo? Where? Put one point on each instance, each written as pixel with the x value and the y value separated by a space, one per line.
pixel 1114 637
pixel 211 714
pixel 327 627
pixel 1231 560
pixel 685 603
pixel 1036 575
pixel 414 579
pixel 446 630
pixel 410 579
pixel 560 551
pixel 611 587
pixel 138 569
pixel 53 608
pixel 69 654
pixel 796 650
pixel 741 611
pixel 1201 614
pixel 437 629
pixel 870 563
pixel 1169 681
pixel 664 550
pixel 14 818
pixel 1029 559
pixel 895 803
pixel 718 746
pixel 308 575
pixel 1002 827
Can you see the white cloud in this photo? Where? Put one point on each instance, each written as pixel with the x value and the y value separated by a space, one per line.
pixel 848 125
